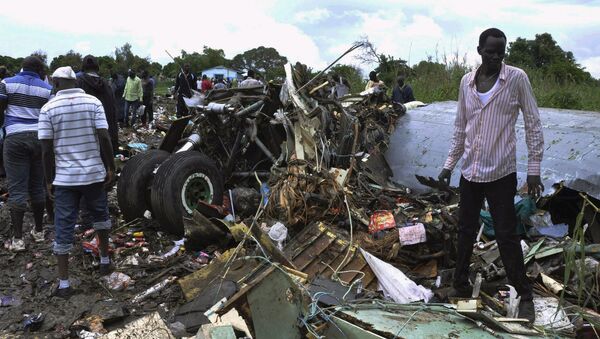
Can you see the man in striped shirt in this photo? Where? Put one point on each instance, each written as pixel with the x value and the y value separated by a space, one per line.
pixel 21 98
pixel 78 162
pixel 488 106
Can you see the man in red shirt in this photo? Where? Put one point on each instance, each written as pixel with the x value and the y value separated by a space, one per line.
pixel 206 84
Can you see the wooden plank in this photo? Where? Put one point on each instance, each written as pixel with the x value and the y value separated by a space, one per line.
pixel 357 264
pixel 312 252
pixel 318 266
pixel 302 241
pixel 338 261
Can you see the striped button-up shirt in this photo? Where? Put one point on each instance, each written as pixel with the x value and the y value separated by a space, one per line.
pixel 484 135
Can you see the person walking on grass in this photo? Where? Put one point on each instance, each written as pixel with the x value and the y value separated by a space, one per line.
pixel 21 98
pixel 78 163
pixel 489 101
pixel 132 94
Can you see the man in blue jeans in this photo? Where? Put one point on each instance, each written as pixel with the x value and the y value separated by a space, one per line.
pixel 21 98
pixel 77 154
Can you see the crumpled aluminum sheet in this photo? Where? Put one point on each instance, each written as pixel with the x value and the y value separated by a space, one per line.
pixel 422 139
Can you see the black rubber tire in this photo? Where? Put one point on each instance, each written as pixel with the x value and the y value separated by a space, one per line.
pixel 167 188
pixel 135 181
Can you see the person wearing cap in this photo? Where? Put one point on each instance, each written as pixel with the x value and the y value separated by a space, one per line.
pixel 78 163
pixel 250 80
pixel 132 94
pixel 21 98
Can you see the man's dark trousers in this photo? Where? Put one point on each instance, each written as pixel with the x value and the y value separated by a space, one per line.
pixel 500 197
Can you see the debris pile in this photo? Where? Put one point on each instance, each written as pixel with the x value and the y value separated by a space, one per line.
pixel 271 210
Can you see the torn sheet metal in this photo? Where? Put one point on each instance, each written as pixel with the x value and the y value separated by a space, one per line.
pixel 422 139
pixel 406 321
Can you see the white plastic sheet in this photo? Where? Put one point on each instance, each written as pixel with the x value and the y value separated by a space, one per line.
pixel 196 99
pixel 394 284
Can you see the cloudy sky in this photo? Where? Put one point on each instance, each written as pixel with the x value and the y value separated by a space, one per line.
pixel 313 32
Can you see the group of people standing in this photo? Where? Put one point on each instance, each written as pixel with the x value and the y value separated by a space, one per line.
pixel 58 155
pixel 132 92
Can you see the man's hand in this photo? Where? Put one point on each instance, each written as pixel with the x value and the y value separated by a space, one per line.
pixel 49 191
pixel 109 181
pixel 445 176
pixel 534 186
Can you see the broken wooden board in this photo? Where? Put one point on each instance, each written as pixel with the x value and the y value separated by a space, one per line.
pixel 317 250
pixel 192 284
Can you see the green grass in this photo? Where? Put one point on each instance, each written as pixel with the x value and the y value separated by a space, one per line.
pixel 162 87
pixel 548 92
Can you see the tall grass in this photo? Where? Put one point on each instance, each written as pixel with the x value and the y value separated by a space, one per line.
pixel 439 81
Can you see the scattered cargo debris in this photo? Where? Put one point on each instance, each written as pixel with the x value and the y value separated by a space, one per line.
pixel 272 211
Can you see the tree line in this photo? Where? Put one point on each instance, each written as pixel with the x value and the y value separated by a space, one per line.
pixel 556 76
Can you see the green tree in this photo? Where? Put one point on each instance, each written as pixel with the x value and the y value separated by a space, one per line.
pixel 107 65
pixel 389 68
pixel 543 54
pixel 198 62
pixel 265 60
pixel 13 65
pixel 71 58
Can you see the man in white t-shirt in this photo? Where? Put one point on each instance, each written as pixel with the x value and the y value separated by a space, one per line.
pixel 77 157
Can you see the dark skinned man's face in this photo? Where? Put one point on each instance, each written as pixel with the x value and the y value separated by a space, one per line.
pixel 492 53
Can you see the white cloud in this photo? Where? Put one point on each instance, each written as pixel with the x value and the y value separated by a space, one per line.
pixel 312 16
pixel 155 28
pixel 83 47
pixel 592 65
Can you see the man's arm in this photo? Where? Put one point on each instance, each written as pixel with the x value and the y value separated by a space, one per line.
pixel 3 101
pixel 177 84
pixel 126 88
pixel 140 91
pixel 46 136
pixel 534 138
pixel 3 105
pixel 106 151
pixel 48 160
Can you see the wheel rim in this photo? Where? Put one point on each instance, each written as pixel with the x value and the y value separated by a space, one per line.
pixel 197 187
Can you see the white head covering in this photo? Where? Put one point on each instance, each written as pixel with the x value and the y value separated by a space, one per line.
pixel 64 73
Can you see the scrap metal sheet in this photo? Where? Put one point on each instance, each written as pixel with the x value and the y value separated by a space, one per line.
pixel 422 139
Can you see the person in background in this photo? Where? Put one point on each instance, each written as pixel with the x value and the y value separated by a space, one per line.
pixel 148 89
pixel 184 84
pixel 206 84
pixel 489 101
pixel 220 84
pixel 93 84
pixel 133 95
pixel 234 83
pixel 117 83
pixel 199 81
pixel 21 98
pixel 373 81
pixel 402 93
pixel 250 80
pixel 78 162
